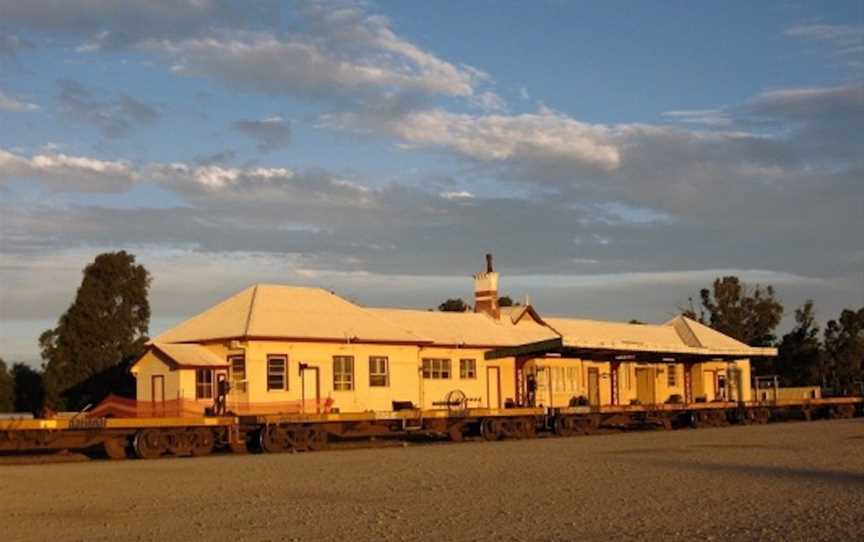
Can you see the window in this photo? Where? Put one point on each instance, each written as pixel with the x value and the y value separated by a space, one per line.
pixel 203 383
pixel 467 368
pixel 572 376
pixel 436 369
pixel 277 373
pixel 343 373
pixel 379 374
pixel 238 372
pixel 671 375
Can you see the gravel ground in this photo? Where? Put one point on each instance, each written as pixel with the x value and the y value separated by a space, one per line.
pixel 792 481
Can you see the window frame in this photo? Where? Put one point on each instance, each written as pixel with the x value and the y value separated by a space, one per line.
pixel 340 382
pixel 438 368
pixel 237 384
pixel 671 376
pixel 467 371
pixel 201 384
pixel 378 373
pixel 271 374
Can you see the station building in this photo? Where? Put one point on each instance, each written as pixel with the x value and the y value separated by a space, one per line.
pixel 285 349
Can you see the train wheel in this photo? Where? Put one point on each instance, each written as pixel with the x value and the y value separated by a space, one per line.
pixel 238 447
pixel 841 412
pixel 317 439
pixel 524 428
pixel 562 427
pixel 202 441
pixel 272 439
pixel 115 447
pixel 490 429
pixel 300 438
pixel 149 444
pixel 180 443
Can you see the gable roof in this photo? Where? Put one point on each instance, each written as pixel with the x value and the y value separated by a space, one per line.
pixel 680 335
pixel 270 311
pixel 699 335
pixel 517 312
pixel 190 355
pixel 287 312
pixel 579 333
pixel 468 328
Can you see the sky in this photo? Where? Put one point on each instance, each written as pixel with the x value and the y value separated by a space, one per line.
pixel 615 157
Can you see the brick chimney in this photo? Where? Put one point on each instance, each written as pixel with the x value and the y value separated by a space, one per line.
pixel 486 290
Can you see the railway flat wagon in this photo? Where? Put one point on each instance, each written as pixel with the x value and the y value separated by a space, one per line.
pixel 115 438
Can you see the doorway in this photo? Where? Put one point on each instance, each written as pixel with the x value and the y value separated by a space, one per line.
pixel 645 386
pixel 310 386
pixel 721 386
pixel 594 387
pixel 157 394
pixel 493 387
pixel 708 384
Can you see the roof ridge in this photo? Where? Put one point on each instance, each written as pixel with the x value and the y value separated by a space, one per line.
pixel 390 323
pixel 251 308
pixel 687 334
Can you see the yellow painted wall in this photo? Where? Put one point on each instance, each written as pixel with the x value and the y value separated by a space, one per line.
pixel 405 377
pixel 559 380
pixel 556 386
pixel 737 376
pixel 150 365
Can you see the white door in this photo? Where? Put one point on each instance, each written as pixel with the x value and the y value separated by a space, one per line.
pixel 493 387
pixel 157 394
pixel 311 389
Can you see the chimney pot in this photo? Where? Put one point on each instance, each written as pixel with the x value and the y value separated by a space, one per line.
pixel 489 264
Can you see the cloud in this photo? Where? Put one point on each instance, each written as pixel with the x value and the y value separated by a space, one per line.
pixel 462 194
pixel 704 117
pixel 109 25
pixel 64 173
pixel 114 116
pixel 844 38
pixel 338 53
pixel 527 138
pixel 489 102
pixel 8 103
pixel 333 52
pixel 10 45
pixel 270 133
pixel 815 103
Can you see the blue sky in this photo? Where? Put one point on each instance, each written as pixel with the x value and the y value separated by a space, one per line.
pixel 614 156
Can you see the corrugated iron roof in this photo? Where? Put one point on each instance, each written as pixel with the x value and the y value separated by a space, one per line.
pixel 680 335
pixel 468 328
pixel 190 355
pixel 288 312
pixel 277 311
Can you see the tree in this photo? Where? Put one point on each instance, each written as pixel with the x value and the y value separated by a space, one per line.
pixel 106 324
pixel 844 351
pixel 7 389
pixel 29 389
pixel 453 305
pixel 507 301
pixel 749 314
pixel 800 353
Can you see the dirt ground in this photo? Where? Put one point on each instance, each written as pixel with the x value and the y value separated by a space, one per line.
pixel 792 481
